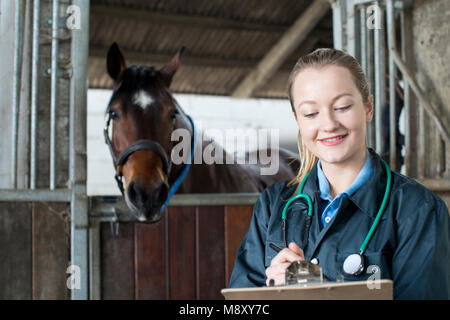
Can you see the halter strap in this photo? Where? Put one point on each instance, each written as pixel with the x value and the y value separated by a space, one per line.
pixel 145 145
pixel 185 169
pixel 159 150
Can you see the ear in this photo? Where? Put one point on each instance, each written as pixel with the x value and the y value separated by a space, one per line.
pixel 115 62
pixel 369 109
pixel 168 71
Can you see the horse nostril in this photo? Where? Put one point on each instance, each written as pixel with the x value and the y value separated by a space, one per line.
pixel 160 194
pixel 136 194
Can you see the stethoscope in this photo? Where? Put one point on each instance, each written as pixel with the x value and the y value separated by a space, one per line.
pixel 354 263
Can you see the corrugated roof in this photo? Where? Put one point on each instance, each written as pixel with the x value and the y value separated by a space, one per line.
pixel 224 39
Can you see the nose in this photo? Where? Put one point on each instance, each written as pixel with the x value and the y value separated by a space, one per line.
pixel 328 122
pixel 145 200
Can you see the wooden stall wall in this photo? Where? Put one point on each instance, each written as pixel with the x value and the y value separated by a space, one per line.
pixel 34 250
pixel 189 254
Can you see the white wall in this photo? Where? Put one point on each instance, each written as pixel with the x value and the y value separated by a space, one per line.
pixel 207 112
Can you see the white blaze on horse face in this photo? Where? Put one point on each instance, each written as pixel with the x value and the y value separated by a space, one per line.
pixel 142 99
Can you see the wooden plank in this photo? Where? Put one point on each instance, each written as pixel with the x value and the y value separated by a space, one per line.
pixel 117 262
pixel 210 252
pixel 51 250
pixel 182 262
pixel 237 221
pixel 150 260
pixel 15 250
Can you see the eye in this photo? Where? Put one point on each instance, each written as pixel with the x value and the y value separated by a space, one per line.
pixel 343 108
pixel 173 115
pixel 310 115
pixel 113 114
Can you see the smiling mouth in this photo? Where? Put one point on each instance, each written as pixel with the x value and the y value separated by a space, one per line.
pixel 333 140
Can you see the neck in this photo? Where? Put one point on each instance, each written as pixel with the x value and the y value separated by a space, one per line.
pixel 182 123
pixel 340 176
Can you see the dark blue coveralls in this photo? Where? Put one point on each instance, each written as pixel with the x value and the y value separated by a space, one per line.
pixel 411 244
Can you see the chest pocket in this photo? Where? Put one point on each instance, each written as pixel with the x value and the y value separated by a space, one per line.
pixel 271 253
pixel 377 265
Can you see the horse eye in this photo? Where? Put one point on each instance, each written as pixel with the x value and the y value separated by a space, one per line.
pixel 113 114
pixel 173 115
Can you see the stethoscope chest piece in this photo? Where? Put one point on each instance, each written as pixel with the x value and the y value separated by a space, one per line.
pixel 354 264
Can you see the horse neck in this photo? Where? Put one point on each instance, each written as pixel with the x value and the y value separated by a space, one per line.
pixel 216 177
pixel 185 124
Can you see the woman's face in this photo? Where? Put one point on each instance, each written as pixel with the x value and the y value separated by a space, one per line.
pixel 330 113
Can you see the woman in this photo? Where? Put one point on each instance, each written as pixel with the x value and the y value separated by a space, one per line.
pixel 346 184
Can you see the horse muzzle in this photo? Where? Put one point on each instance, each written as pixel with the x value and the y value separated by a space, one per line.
pixel 146 204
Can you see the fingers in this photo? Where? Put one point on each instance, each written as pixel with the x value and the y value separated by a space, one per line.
pixel 288 255
pixel 277 273
pixel 296 249
pixel 281 261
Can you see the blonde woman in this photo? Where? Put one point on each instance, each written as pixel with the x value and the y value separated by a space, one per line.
pixel 360 213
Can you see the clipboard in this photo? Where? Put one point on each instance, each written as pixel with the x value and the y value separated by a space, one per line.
pixel 352 290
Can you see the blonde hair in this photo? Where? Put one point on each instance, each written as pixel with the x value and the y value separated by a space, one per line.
pixel 320 58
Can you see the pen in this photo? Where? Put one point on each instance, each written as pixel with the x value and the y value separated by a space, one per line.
pixel 275 247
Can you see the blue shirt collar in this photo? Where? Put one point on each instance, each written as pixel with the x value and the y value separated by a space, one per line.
pixel 365 174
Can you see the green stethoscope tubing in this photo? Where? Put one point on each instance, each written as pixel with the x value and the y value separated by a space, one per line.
pixel 369 235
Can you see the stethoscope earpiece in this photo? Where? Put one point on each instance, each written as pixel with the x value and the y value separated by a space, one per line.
pixel 354 264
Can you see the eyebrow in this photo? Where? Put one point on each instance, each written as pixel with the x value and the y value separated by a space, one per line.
pixel 332 100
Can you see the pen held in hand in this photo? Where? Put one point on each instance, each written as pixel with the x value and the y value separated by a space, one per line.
pixel 275 247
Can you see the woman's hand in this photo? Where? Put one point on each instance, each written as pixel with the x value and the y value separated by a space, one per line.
pixel 281 261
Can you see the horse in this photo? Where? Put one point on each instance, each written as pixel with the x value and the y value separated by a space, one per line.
pixel 144 116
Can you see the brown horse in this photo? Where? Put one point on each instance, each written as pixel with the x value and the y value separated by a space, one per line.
pixel 144 115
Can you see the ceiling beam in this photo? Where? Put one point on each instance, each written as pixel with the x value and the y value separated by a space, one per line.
pixel 193 61
pixel 290 41
pixel 182 19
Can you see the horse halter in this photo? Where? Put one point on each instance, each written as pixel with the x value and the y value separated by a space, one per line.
pixel 135 146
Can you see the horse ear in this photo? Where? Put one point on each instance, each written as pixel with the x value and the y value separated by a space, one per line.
pixel 168 71
pixel 115 62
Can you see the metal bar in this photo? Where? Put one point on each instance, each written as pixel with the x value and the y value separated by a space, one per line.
pixel 351 39
pixel 392 105
pixel 78 115
pixel 37 195
pixel 34 91
pixel 18 32
pixel 380 85
pixel 363 39
pixel 116 208
pixel 337 24
pixel 102 205
pixel 94 261
pixel 406 99
pixel 370 78
pixel 364 61
pixel 54 91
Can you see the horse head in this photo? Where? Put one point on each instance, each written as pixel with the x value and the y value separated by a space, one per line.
pixel 142 114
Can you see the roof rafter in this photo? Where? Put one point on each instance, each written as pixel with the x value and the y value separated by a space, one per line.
pixel 290 40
